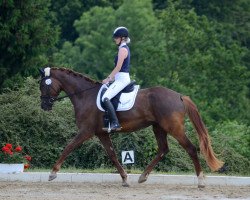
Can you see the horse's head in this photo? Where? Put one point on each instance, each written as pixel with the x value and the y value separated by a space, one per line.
pixel 50 89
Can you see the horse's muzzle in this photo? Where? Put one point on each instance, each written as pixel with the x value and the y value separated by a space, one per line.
pixel 46 104
pixel 46 107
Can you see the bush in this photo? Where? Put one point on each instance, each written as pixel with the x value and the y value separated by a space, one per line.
pixel 44 135
pixel 232 141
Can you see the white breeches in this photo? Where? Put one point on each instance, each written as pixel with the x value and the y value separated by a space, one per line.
pixel 122 79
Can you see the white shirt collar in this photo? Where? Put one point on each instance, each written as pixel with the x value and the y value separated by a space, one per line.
pixel 122 44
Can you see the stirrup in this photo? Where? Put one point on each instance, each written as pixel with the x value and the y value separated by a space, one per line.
pixel 115 127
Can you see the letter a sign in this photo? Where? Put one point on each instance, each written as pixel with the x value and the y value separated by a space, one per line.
pixel 128 157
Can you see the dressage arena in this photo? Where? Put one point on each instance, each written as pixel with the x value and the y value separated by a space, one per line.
pixel 97 187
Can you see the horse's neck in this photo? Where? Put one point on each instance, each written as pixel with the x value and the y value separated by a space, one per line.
pixel 72 84
pixel 79 89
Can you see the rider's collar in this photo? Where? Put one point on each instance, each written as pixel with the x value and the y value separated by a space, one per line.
pixel 122 44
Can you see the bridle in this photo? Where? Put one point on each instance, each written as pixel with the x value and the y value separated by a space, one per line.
pixel 49 100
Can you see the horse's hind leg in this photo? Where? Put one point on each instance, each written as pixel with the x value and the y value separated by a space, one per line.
pixel 178 133
pixel 106 142
pixel 77 141
pixel 161 137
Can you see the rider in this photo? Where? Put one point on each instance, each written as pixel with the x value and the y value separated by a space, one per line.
pixel 120 74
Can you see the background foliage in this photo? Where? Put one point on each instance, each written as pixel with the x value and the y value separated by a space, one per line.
pixel 198 48
pixel 26 35
pixel 43 135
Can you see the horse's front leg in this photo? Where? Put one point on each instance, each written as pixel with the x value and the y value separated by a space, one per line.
pixel 76 142
pixel 106 142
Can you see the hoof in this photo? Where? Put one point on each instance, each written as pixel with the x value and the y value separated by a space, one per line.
pixel 223 169
pixel 142 178
pixel 201 186
pixel 125 184
pixel 52 176
pixel 201 180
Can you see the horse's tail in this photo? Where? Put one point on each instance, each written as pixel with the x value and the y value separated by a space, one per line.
pixel 205 144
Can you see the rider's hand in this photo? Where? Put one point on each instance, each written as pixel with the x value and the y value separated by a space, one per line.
pixel 106 80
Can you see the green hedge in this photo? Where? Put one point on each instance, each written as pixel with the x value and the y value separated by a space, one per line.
pixel 44 135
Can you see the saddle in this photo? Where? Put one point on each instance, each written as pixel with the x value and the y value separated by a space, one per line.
pixel 123 101
pixel 116 99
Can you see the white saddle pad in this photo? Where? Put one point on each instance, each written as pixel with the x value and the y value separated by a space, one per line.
pixel 126 101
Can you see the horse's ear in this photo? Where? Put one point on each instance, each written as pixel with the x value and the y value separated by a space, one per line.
pixel 41 72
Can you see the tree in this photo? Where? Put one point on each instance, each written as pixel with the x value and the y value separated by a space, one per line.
pixel 204 62
pixel 95 44
pixel 180 50
pixel 67 11
pixel 95 49
pixel 26 34
pixel 147 48
pixel 233 14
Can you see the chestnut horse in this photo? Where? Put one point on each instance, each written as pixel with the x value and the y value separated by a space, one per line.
pixel 162 108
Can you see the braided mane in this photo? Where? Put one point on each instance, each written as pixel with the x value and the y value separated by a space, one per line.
pixel 76 74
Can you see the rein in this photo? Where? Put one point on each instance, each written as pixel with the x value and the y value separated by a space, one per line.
pixel 72 94
pixel 53 99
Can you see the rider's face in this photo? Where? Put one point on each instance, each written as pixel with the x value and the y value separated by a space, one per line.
pixel 117 40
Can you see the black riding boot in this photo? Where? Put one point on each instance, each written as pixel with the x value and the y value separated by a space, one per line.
pixel 114 124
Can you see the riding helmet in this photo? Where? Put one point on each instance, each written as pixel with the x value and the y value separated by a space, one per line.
pixel 120 32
